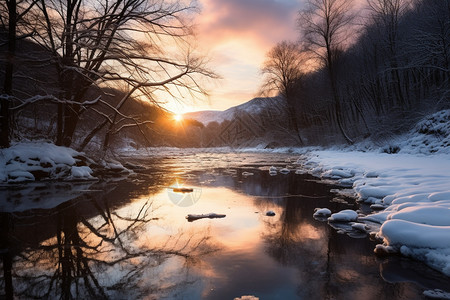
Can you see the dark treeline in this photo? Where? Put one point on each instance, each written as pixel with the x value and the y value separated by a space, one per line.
pixel 396 70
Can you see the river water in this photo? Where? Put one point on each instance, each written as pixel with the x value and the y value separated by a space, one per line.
pixel 128 238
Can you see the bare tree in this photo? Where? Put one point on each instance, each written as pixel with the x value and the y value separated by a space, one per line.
pixel 7 87
pixel 386 15
pixel 283 69
pixel 12 11
pixel 323 24
pixel 142 44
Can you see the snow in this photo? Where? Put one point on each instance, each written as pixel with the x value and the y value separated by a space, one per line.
pixel 272 171
pixel 414 189
pixel 412 185
pixel 284 171
pixel 345 215
pixel 322 212
pixel 360 226
pixel 81 172
pixel 33 161
pixel 400 233
pixel 436 294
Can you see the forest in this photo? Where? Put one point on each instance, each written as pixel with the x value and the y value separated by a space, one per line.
pixel 375 74
pixel 93 75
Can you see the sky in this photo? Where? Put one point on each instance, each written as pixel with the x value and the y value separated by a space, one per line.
pixel 236 35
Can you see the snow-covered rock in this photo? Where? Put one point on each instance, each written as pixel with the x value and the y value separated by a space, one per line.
pixel 346 215
pixel 322 212
pixel 284 171
pixel 36 161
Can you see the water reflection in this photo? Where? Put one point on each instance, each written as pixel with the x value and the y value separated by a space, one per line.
pixel 91 247
pixel 130 240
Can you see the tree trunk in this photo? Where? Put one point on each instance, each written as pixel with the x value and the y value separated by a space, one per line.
pixel 7 259
pixel 4 110
pixel 337 102
pixel 293 124
pixel 59 125
pixel 70 123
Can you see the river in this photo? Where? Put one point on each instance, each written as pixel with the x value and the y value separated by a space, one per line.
pixel 128 238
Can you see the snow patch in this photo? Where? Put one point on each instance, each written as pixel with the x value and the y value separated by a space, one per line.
pixel 83 172
pixel 322 212
pixel 346 215
pixel 35 161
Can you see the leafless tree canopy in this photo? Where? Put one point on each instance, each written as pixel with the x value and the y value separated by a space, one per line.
pixel 324 24
pixel 283 67
pixel 145 47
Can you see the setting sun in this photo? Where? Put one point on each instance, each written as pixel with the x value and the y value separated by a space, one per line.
pixel 177 117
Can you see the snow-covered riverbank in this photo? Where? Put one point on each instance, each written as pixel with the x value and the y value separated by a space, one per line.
pixel 409 190
pixel 415 189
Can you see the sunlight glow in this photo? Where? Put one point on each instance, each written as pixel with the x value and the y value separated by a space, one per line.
pixel 178 118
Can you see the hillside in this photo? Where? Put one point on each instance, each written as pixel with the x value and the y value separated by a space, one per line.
pixel 253 107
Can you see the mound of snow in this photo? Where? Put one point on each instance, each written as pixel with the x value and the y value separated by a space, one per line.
pixel 399 233
pixel 346 215
pixel 436 294
pixel 35 161
pixel 322 212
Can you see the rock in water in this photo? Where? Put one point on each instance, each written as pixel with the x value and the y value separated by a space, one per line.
pixel 284 171
pixel 192 218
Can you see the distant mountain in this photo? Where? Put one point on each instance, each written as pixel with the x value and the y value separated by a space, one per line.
pixel 256 106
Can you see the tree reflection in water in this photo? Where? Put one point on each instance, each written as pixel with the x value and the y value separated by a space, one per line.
pixel 88 249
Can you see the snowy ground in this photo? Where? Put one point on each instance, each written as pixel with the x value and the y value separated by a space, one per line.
pixel 414 189
pixel 42 161
pixel 409 191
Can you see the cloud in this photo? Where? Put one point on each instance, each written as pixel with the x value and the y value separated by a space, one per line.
pixel 237 34
pixel 264 21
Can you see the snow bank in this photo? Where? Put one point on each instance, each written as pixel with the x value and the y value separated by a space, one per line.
pixel 414 189
pixel 35 161
pixel 412 186
pixel 431 135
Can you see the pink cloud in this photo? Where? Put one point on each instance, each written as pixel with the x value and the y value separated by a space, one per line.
pixel 265 21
